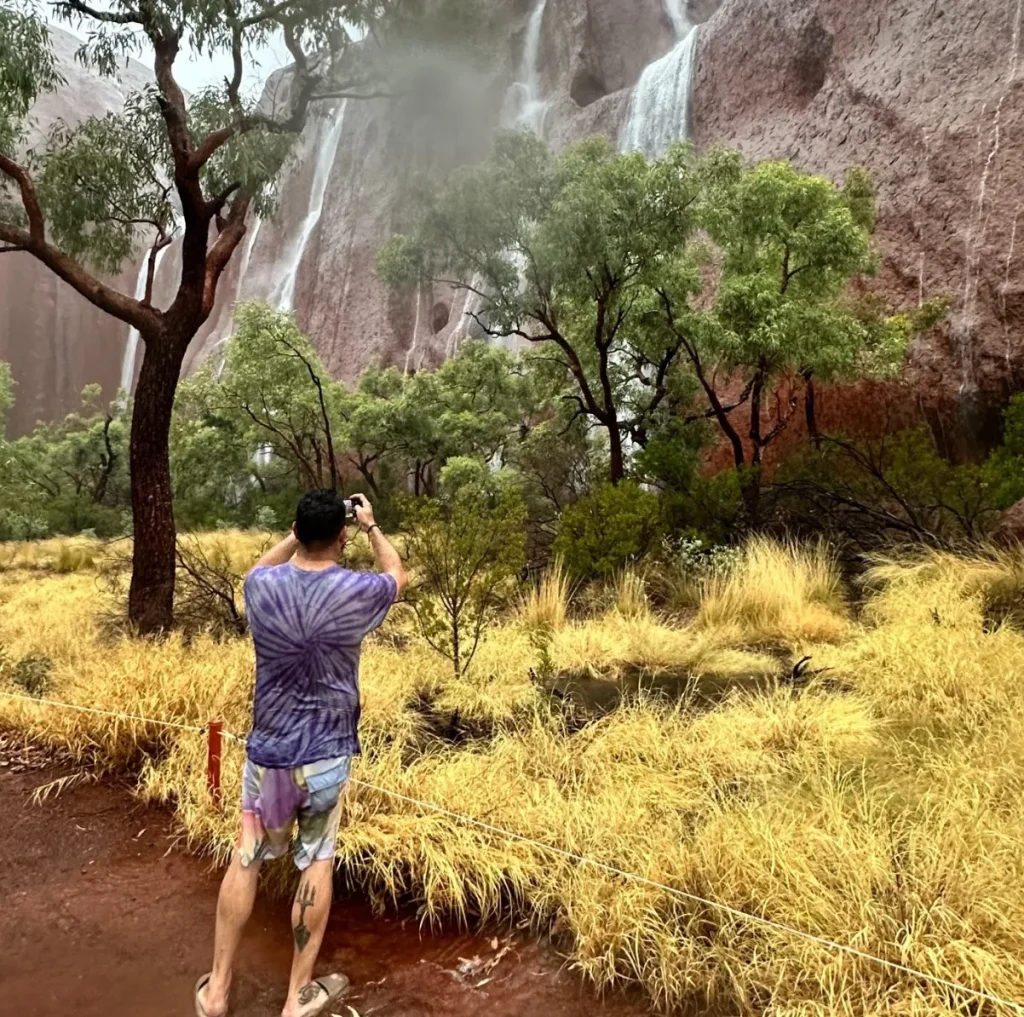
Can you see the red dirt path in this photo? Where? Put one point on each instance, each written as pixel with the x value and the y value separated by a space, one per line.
pixel 101 916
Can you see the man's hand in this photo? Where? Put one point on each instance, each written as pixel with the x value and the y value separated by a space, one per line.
pixel 364 511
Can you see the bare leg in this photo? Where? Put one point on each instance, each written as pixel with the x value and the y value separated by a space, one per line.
pixel 309 920
pixel 234 906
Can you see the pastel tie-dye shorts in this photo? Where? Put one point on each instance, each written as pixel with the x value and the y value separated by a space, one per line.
pixel 275 801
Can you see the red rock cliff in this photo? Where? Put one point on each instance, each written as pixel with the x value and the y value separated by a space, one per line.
pixel 926 94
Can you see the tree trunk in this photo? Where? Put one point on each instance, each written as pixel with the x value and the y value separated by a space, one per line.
pixel 750 490
pixel 617 465
pixel 810 408
pixel 151 595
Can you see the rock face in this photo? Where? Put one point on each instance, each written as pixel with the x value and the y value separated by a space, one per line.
pixel 55 340
pixel 928 95
pixel 594 51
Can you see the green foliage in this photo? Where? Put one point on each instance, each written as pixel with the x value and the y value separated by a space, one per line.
pixel 281 396
pixel 646 288
pixel 1004 469
pixel 15 526
pixel 69 476
pixel 607 529
pixel 568 254
pixel 467 547
pixel 26 70
pixel 108 173
pixel 101 180
pixel 265 518
pixel 210 454
pixel 895 485
pixel 6 394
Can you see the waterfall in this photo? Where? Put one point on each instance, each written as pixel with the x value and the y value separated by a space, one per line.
pixel 328 139
pixel 525 108
pixel 411 352
pixel 250 243
pixel 677 15
pixel 131 346
pixel 532 107
pixel 660 107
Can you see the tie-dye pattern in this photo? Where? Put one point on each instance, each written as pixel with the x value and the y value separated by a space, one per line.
pixel 308 628
pixel 272 801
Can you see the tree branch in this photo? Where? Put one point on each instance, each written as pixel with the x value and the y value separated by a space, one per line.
pixel 29 199
pixel 106 298
pixel 129 17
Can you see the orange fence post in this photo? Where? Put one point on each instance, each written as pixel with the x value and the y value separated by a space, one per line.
pixel 213 760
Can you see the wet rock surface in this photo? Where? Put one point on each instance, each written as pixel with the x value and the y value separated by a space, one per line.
pixel 930 96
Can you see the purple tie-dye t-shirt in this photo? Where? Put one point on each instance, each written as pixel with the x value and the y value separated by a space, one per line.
pixel 308 628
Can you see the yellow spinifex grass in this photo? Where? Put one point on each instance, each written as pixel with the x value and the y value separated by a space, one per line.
pixel 879 807
pixel 785 592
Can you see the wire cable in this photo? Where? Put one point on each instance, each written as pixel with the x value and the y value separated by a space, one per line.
pixel 573 856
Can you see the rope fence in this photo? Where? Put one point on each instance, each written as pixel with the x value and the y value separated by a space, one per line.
pixel 216 736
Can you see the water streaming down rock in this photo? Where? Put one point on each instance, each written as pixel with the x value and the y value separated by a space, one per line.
pixel 676 11
pixel 328 139
pixel 131 346
pixel 659 113
pixel 525 105
pixel 525 108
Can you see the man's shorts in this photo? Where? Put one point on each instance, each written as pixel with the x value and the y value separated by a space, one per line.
pixel 272 801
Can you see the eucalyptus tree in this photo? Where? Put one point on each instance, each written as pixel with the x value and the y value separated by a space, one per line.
pixel 668 293
pixel 84 201
pixel 564 253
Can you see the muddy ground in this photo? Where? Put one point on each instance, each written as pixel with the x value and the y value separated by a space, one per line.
pixel 102 915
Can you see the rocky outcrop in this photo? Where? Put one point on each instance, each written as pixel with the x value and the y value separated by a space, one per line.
pixel 55 341
pixel 930 97
pixel 927 95
pixel 593 50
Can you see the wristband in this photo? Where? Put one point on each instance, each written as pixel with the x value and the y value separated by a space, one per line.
pixel 372 527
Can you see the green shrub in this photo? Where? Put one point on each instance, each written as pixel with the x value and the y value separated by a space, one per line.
pixel 69 514
pixel 265 518
pixel 32 674
pixel 467 549
pixel 15 526
pixel 607 529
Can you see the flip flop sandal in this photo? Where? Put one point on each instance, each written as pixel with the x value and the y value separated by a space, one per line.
pixel 335 986
pixel 200 985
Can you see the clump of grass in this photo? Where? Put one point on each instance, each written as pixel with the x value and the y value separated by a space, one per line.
pixel 777 592
pixel 72 558
pixel 31 674
pixel 545 606
pixel 631 595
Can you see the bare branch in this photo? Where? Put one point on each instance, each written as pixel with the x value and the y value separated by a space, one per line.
pixel 270 13
pixel 220 200
pixel 163 241
pixel 106 298
pixel 230 237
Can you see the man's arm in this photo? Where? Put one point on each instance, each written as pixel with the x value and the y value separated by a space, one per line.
pixel 280 553
pixel 385 556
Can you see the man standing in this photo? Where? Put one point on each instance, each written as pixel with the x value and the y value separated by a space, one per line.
pixel 309 617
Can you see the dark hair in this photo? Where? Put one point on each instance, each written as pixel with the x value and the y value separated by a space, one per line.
pixel 319 519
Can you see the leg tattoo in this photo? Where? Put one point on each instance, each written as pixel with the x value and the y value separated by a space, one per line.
pixel 305 899
pixel 309 993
